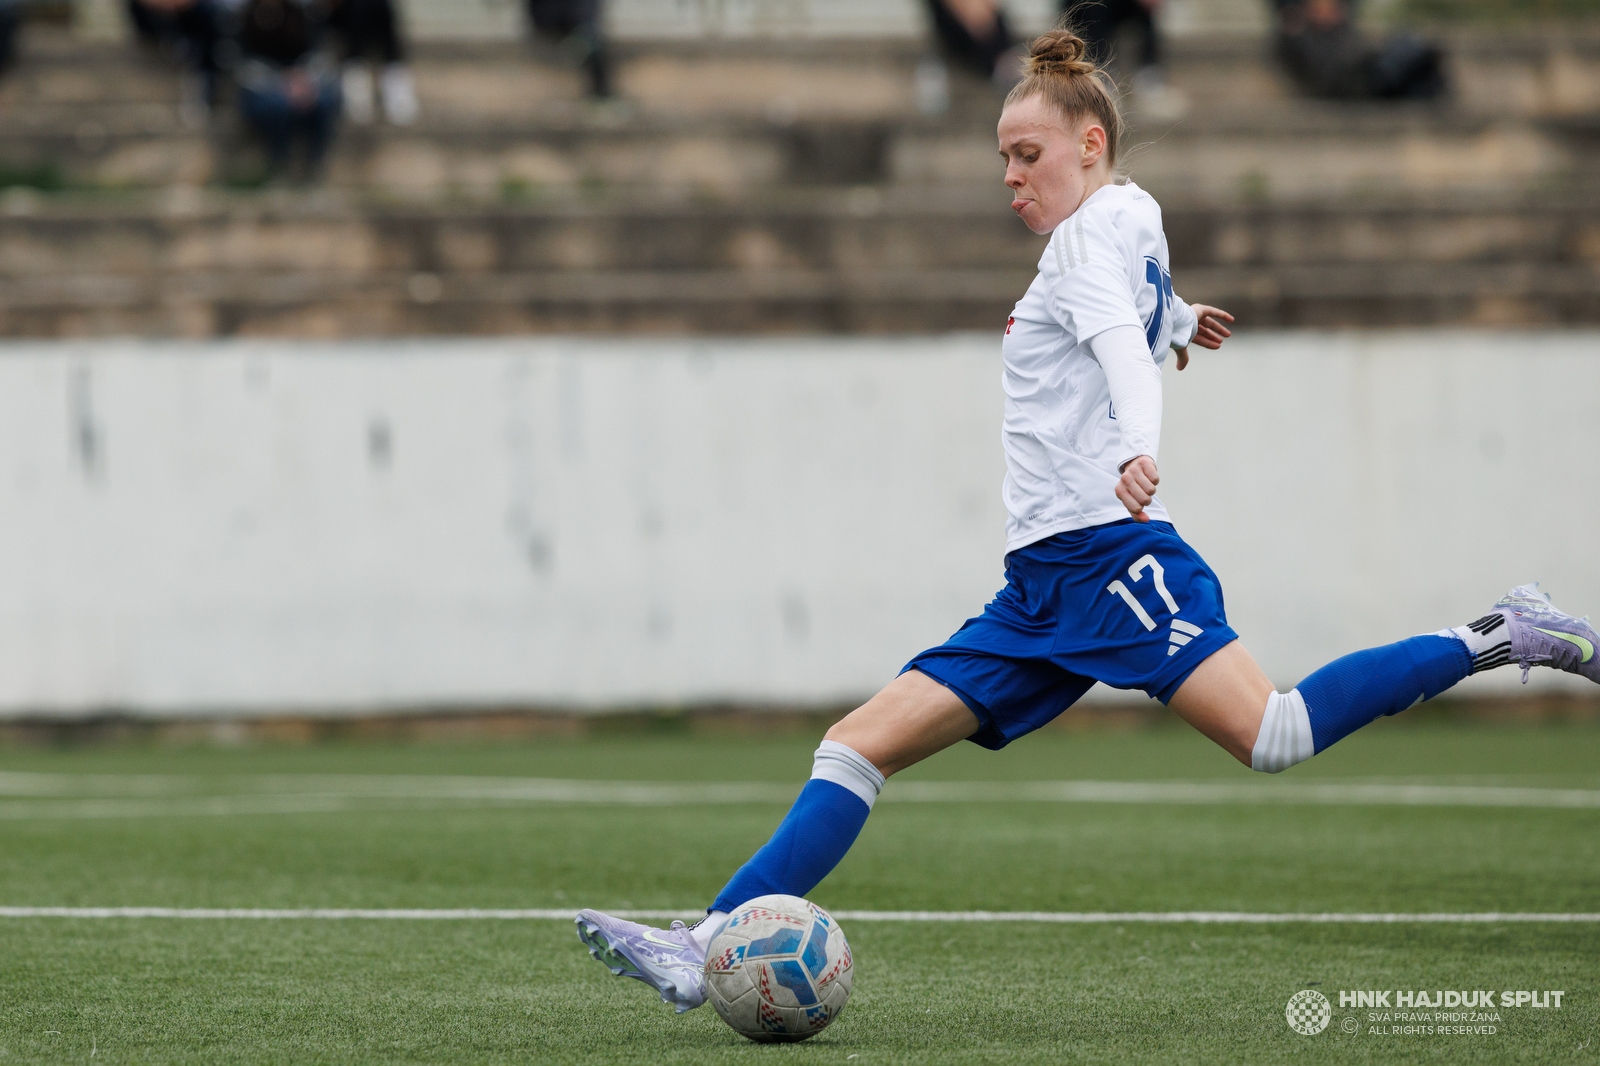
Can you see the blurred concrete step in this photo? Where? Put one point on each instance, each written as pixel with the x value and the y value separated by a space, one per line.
pixel 1550 230
pixel 339 304
pixel 1361 155
pixel 476 81
pixel 1502 74
pixel 1305 152
pixel 853 230
pixel 306 304
pixel 850 231
pixel 55 69
pixel 1402 294
pixel 436 160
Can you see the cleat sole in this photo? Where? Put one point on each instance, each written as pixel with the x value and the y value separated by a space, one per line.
pixel 603 953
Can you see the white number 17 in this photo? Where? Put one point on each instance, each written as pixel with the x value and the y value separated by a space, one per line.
pixel 1136 571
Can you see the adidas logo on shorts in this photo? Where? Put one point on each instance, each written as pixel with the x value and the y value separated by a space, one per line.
pixel 1182 633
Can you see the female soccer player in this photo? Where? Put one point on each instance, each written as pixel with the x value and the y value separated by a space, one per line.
pixel 1099 586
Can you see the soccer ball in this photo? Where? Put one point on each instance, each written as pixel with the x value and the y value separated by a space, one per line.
pixel 779 970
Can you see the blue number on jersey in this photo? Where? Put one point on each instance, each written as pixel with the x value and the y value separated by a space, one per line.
pixel 1163 286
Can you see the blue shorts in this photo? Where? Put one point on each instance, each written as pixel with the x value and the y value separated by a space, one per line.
pixel 1128 604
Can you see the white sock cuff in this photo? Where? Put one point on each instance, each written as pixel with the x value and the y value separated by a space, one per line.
pixel 845 767
pixel 1488 641
pixel 1285 737
pixel 706 929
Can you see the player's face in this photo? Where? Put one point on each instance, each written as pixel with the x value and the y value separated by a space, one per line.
pixel 1048 161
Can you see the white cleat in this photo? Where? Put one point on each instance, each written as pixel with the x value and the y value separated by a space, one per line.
pixel 1540 635
pixel 668 960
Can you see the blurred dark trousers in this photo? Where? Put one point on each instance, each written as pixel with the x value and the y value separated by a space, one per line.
pixel 10 19
pixel 368 30
pixel 576 24
pixel 1099 20
pixel 1341 64
pixel 980 54
pixel 1407 67
pixel 268 111
pixel 194 32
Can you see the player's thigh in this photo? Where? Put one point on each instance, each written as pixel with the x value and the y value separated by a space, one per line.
pixel 1225 698
pixel 912 718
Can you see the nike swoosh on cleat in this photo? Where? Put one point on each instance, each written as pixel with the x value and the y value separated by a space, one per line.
pixel 1583 645
pixel 650 934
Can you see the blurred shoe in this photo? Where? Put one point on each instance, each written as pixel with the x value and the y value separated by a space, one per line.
pixel 668 960
pixel 1544 636
pixel 357 85
pixel 1155 100
pixel 400 104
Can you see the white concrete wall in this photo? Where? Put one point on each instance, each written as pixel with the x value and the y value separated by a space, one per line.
pixel 273 525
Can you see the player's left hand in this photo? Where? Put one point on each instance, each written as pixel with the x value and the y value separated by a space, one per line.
pixel 1211 332
pixel 1138 486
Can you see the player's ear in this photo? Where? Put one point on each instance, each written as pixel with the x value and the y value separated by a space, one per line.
pixel 1092 143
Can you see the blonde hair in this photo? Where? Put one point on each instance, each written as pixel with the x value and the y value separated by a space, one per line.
pixel 1058 70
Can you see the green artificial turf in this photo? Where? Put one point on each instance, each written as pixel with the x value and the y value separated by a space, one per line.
pixel 161 990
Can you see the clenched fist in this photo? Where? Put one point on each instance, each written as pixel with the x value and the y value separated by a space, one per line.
pixel 1138 486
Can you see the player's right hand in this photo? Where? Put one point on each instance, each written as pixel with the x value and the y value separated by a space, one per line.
pixel 1137 486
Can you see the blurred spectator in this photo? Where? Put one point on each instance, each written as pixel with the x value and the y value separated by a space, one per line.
pixel 1319 44
pixel 1100 22
pixel 288 92
pixel 192 30
pixel 369 32
pixel 575 26
pixel 10 19
pixel 973 34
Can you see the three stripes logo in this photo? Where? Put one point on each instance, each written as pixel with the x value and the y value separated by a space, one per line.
pixel 1182 633
pixel 1496 655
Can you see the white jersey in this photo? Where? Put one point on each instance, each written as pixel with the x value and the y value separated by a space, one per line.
pixel 1105 266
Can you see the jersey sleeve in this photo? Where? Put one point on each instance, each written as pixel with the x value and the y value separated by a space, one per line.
pixel 1185 324
pixel 1087 268
pixel 1135 383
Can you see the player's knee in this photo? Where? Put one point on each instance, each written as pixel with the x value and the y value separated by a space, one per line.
pixel 848 768
pixel 864 741
pixel 847 732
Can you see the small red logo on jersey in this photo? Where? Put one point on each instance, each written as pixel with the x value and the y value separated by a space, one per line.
pixel 1009 323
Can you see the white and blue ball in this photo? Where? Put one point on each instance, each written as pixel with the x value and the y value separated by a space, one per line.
pixel 779 970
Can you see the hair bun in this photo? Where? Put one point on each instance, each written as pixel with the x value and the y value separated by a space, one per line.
pixel 1058 52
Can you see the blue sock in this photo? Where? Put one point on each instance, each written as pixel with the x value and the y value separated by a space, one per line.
pixel 1350 692
pixel 818 830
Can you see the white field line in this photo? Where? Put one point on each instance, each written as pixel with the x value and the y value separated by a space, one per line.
pixel 1249 792
pixel 69 796
pixel 562 914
